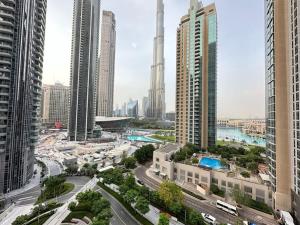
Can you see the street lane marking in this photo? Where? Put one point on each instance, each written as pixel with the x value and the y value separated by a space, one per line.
pixel 26 198
pixel 118 216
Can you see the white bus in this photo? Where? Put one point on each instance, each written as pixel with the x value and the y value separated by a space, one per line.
pixel 227 208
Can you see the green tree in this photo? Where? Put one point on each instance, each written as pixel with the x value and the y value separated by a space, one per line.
pixel 72 169
pixel 144 154
pixel 129 162
pixel 253 167
pixel 176 208
pixel 130 196
pixel 20 220
pixel 170 193
pixel 72 206
pixel 195 218
pixel 142 205
pixel 99 205
pixel 163 219
pixel 54 182
pixel 195 161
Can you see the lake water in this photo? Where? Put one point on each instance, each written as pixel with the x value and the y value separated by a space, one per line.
pixel 239 136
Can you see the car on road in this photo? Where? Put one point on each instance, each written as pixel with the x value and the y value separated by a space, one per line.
pixel 248 223
pixel 209 219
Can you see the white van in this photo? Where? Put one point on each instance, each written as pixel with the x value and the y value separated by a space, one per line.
pixel 209 219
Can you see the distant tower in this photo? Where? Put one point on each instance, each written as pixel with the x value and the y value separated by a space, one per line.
pixel 105 98
pixel 85 39
pixel 196 76
pixel 157 86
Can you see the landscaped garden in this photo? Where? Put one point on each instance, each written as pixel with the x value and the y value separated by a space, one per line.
pixel 38 216
pixel 90 204
pixel 169 197
pixel 53 187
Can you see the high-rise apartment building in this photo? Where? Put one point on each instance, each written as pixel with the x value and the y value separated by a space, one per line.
pixel 105 98
pixel 277 101
pixel 282 102
pixel 294 42
pixel 145 106
pixel 84 74
pixel 55 103
pixel 157 105
pixel 22 32
pixel 196 76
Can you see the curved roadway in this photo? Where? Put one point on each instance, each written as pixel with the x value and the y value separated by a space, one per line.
pixel 206 206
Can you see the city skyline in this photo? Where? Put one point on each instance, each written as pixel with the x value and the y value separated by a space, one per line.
pixel 135 52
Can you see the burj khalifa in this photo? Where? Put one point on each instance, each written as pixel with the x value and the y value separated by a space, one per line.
pixel 157 103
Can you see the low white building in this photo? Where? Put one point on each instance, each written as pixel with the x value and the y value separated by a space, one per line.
pixel 201 178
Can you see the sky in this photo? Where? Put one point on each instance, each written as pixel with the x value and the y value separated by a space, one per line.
pixel 240 51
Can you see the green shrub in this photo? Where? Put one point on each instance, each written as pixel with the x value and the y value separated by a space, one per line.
pixel 245 174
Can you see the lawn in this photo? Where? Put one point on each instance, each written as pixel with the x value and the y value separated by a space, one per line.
pixel 164 138
pixel 78 215
pixel 66 188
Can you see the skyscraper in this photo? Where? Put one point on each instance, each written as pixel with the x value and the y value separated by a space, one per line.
pixel 157 86
pixel 133 108
pixel 282 102
pixel 55 104
pixel 84 74
pixel 107 65
pixel 196 76
pixel 145 106
pixel 22 32
pixel 277 101
pixel 294 42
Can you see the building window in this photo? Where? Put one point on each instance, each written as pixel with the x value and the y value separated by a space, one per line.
pixel 230 184
pixel 190 174
pixel 157 166
pixel 204 179
pixel 223 183
pixel 157 159
pixel 215 181
pixel 190 180
pixel 197 175
pixel 248 189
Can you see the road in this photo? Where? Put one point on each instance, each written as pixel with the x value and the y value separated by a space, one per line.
pixel 54 168
pixel 205 206
pixel 63 211
pixel 120 215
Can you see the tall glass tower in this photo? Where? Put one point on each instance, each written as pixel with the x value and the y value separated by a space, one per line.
pixel 196 76
pixel 157 105
pixel 106 81
pixel 84 73
pixel 22 32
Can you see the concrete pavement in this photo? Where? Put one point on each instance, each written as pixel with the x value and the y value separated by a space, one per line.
pixel 205 205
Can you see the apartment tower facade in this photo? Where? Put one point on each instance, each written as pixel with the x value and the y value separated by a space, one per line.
pixel 106 81
pixel 84 73
pixel 282 102
pixel 196 76
pixel 294 42
pixel 157 105
pixel 22 33
pixel 55 105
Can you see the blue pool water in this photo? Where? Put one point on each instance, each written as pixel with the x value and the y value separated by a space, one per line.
pixel 210 163
pixel 239 136
pixel 142 139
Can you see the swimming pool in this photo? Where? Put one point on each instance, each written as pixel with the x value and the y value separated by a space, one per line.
pixel 142 139
pixel 210 163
